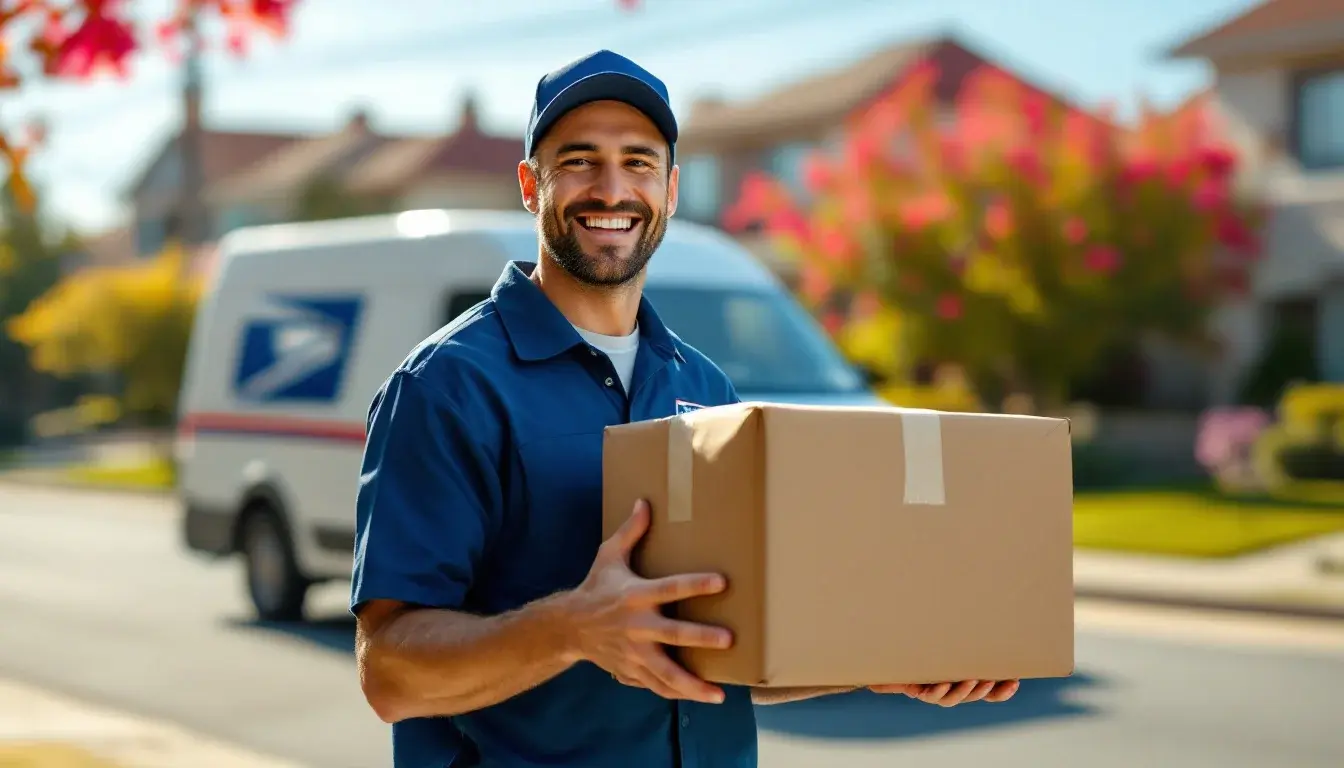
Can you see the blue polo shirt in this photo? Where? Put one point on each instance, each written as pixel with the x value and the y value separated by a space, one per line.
pixel 481 491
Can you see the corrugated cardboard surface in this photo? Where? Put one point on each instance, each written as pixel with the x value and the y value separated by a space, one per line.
pixel 861 545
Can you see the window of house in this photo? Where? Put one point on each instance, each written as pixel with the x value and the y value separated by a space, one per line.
pixel 1320 120
pixel 150 236
pixel 699 197
pixel 787 163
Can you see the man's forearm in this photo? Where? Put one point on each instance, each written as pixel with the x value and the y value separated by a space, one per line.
pixel 426 663
pixel 786 695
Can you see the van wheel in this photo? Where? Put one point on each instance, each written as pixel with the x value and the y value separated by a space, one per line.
pixel 274 582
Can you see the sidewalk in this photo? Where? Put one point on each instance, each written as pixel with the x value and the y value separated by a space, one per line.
pixel 42 730
pixel 1304 578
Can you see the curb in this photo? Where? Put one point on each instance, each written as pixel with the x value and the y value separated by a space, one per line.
pixel 1223 605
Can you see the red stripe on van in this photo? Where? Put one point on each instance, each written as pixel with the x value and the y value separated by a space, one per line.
pixel 260 425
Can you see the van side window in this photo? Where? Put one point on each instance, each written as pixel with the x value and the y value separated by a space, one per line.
pixel 461 302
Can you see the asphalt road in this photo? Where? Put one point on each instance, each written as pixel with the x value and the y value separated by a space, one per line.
pixel 98 600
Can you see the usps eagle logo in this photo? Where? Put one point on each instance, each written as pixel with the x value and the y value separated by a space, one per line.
pixel 296 348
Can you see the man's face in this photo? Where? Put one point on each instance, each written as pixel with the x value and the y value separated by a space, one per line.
pixel 602 191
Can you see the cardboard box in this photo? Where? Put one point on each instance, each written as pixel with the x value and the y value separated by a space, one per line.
pixel 861 545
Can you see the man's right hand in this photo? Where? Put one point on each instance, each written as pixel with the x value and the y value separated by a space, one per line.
pixel 621 629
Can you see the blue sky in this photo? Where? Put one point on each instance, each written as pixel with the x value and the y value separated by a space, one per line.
pixel 410 67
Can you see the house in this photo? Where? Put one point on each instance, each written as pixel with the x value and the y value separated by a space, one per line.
pixel 466 168
pixel 155 194
pixel 266 190
pixel 722 142
pixel 258 178
pixel 1279 87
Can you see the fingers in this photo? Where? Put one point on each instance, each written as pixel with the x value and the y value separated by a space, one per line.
pixel 671 589
pixel 952 694
pixel 1003 691
pixel 682 684
pixel 625 538
pixel 685 634
pixel 979 692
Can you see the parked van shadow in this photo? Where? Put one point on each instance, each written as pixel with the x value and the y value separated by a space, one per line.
pixel 333 634
pixel 865 715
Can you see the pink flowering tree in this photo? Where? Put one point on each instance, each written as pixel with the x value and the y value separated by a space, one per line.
pixel 83 39
pixel 1014 236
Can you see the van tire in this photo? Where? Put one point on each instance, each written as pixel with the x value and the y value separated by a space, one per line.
pixel 277 588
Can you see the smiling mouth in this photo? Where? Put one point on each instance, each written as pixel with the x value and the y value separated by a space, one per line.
pixel 608 223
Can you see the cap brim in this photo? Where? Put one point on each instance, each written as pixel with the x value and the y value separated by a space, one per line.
pixel 610 86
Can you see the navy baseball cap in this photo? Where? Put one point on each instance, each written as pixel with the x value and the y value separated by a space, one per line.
pixel 599 76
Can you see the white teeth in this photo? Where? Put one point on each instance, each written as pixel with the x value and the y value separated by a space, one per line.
pixel 623 222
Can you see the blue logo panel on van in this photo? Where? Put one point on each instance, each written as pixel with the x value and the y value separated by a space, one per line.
pixel 298 350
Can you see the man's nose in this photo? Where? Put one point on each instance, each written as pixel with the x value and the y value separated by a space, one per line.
pixel 610 186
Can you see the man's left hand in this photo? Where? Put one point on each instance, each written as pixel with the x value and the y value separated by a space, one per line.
pixel 952 694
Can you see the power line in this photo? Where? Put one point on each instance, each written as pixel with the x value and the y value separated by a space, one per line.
pixel 484 43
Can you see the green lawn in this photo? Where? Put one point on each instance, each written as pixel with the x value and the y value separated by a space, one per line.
pixel 1196 523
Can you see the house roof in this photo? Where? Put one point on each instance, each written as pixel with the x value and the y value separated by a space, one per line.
pixel 400 163
pixel 826 100
pixel 468 149
pixel 223 152
pixel 1267 18
pixel 291 165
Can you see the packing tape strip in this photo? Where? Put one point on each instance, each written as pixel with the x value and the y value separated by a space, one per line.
pixel 922 434
pixel 680 463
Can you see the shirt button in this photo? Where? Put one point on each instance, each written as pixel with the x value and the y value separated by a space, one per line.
pixel 685 720
pixel 609 381
pixel 592 352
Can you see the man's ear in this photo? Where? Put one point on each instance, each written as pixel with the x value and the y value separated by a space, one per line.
pixel 527 185
pixel 673 178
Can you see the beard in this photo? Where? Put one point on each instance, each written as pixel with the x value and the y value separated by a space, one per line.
pixel 606 268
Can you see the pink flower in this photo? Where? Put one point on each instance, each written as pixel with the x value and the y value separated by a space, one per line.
pixel 102 43
pixel 925 210
pixel 1026 162
pixel 1102 259
pixel 1217 160
pixel 834 244
pixel 948 306
pixel 1210 194
pixel 1075 230
pixel 999 220
pixel 813 283
pixel 817 172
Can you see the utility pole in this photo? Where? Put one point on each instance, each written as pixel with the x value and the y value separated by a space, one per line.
pixel 194 224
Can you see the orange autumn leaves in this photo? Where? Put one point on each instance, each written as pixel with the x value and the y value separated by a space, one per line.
pixel 1004 226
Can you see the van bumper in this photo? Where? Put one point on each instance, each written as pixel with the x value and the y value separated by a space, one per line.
pixel 208 529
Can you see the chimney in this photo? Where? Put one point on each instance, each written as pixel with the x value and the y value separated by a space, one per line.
pixel 358 121
pixel 469 121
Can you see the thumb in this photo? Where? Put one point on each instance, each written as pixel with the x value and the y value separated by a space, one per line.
pixel 632 530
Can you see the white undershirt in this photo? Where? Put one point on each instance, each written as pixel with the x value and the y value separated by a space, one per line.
pixel 621 350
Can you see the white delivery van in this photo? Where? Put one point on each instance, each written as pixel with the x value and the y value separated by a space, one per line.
pixel 303 322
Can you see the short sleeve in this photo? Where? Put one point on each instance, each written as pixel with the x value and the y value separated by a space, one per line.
pixel 429 497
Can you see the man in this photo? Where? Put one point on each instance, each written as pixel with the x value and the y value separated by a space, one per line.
pixel 495 628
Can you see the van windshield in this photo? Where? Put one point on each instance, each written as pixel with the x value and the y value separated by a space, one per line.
pixel 766 343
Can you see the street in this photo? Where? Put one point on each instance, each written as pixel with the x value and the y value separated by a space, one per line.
pixel 100 602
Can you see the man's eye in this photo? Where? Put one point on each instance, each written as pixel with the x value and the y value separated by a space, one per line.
pixel 575 161
pixel 643 163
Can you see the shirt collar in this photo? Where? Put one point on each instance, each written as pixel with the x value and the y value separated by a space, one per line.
pixel 538 331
